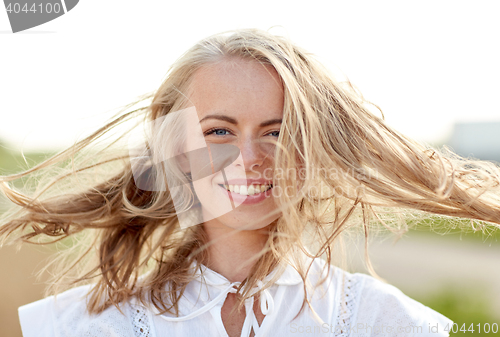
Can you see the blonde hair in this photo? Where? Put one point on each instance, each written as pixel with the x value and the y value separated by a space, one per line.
pixel 347 168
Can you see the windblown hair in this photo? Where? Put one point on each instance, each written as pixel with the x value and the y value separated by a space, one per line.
pixel 339 163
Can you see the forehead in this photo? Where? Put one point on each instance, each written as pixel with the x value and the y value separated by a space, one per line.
pixel 237 87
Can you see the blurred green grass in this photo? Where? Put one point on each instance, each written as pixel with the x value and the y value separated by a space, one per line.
pixel 464 306
pixel 455 230
pixel 13 162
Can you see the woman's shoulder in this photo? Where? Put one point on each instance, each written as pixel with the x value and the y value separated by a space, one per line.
pixel 66 315
pixel 367 306
pixel 379 308
pixel 374 293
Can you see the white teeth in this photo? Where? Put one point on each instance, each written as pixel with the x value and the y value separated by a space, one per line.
pixel 247 190
pixel 243 190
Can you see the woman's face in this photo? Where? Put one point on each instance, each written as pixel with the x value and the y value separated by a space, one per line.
pixel 239 103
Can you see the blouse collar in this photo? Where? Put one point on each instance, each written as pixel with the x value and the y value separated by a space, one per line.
pixel 209 290
pixel 289 276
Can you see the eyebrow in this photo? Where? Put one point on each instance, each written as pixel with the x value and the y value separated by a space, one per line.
pixel 233 121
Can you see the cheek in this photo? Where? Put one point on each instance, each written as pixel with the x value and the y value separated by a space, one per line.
pixel 212 198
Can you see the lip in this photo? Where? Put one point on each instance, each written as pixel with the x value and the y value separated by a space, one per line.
pixel 247 199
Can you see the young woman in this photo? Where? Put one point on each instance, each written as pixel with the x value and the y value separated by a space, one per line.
pixel 223 218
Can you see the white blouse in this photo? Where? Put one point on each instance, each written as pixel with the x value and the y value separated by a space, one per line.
pixel 345 305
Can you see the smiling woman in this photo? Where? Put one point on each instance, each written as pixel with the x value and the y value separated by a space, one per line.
pixel 223 222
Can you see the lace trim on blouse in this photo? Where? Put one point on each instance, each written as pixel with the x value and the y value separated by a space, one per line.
pixel 141 321
pixel 347 305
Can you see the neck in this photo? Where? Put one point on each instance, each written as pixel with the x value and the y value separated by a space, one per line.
pixel 235 254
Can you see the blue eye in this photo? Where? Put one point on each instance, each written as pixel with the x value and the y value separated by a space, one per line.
pixel 217 132
pixel 221 132
pixel 274 133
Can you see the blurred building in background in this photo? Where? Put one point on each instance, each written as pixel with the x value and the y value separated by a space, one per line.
pixel 479 140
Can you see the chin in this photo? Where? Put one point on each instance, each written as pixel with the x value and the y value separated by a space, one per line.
pixel 241 221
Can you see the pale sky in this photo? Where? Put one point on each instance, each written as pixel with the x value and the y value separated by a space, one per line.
pixel 427 64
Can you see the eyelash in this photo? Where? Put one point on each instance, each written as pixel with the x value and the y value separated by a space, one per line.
pixel 213 130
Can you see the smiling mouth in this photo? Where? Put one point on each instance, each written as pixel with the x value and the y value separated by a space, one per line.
pixel 247 190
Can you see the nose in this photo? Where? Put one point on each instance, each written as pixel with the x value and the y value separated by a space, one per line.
pixel 252 153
